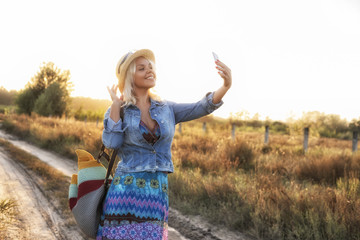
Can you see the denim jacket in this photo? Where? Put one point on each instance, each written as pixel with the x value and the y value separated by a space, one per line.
pixel 136 153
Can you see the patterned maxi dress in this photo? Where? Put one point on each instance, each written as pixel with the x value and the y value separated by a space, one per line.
pixel 136 205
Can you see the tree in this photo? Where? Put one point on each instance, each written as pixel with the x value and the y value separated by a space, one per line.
pixel 7 97
pixel 355 125
pixel 25 101
pixel 48 75
pixel 53 101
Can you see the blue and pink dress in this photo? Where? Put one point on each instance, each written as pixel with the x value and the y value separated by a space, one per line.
pixel 137 204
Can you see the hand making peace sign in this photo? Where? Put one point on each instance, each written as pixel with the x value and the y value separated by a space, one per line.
pixel 113 95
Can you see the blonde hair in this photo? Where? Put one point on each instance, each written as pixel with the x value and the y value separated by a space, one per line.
pixel 128 92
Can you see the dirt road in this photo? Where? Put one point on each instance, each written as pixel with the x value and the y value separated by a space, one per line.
pixel 37 218
pixel 40 219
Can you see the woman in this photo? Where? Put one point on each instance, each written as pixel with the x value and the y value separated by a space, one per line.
pixel 136 205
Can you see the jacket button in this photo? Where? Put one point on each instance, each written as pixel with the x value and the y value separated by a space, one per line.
pixel 155 115
pixel 154 151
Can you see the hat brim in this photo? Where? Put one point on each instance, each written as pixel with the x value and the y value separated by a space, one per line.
pixel 122 66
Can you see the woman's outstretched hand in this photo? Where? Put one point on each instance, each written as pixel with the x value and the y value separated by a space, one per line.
pixel 113 95
pixel 224 72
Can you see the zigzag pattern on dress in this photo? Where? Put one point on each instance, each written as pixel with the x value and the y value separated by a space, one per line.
pixel 139 205
pixel 128 219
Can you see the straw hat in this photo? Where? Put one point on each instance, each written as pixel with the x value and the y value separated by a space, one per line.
pixel 125 61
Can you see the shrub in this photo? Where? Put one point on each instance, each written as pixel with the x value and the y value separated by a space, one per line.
pixel 266 149
pixel 239 153
pixel 326 169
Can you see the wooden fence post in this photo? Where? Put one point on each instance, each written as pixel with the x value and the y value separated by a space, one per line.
pixel 355 141
pixel 266 141
pixel 306 139
pixel 204 127
pixel 85 119
pixel 180 128
pixel 97 121
pixel 233 131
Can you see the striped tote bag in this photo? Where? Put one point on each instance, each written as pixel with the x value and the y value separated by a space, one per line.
pixel 87 191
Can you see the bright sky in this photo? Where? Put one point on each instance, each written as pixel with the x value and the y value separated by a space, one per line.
pixel 287 57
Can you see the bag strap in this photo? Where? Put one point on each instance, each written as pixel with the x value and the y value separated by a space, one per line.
pixel 111 164
pixel 102 153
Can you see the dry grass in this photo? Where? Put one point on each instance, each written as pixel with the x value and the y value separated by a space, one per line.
pixel 272 191
pixel 328 168
pixel 8 214
pixel 57 134
pixel 281 193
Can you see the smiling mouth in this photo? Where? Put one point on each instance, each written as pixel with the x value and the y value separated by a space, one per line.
pixel 150 78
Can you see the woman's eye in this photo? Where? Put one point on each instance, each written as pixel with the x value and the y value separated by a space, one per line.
pixel 141 69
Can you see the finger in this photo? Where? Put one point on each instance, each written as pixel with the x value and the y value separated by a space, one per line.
pixel 224 76
pixel 221 64
pixel 111 90
pixel 115 90
pixel 219 68
pixel 111 93
pixel 226 72
pixel 223 71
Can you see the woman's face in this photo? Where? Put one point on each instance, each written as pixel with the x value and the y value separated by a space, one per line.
pixel 144 76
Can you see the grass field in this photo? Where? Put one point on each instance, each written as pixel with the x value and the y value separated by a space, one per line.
pixel 272 191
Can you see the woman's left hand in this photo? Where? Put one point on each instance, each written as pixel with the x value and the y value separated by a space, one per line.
pixel 224 72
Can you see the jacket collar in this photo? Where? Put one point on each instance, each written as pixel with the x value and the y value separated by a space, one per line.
pixel 152 101
pixel 155 102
